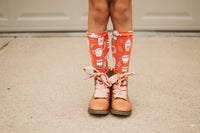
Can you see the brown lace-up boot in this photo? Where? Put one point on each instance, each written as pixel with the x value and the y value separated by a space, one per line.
pixel 100 101
pixel 120 102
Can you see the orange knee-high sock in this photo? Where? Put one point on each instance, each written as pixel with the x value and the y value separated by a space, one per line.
pixel 121 49
pixel 98 48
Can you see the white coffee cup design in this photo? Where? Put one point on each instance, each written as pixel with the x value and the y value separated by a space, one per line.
pixel 99 63
pixel 98 52
pixel 124 69
pixel 125 59
pixel 93 35
pixel 127 45
pixel 114 37
pixel 116 33
pixel 100 41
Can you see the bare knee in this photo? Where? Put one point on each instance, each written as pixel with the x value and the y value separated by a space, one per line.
pixel 100 11
pixel 121 11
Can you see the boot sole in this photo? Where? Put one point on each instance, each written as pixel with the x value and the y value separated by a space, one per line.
pixel 98 112
pixel 121 113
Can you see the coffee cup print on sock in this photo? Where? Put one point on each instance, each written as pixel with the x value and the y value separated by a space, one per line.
pixel 114 39
pixel 98 52
pixel 124 69
pixel 127 45
pixel 116 33
pixel 99 63
pixel 125 59
pixel 100 41
pixel 93 35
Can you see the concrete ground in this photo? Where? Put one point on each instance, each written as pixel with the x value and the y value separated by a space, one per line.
pixel 42 87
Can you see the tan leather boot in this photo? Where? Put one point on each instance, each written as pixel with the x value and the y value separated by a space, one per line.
pixel 120 102
pixel 100 101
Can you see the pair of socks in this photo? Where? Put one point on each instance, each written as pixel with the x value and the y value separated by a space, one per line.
pixel 121 49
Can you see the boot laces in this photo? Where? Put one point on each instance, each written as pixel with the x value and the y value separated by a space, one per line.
pixel 102 82
pixel 120 82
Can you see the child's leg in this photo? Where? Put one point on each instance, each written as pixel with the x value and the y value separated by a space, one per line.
pixel 98 15
pixel 98 47
pixel 97 35
pixel 121 15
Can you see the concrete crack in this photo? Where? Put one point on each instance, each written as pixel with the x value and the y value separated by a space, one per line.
pixel 6 44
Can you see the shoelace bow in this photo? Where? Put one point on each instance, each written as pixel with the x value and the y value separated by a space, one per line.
pixel 102 82
pixel 119 82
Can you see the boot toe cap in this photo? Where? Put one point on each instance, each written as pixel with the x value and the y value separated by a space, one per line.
pixel 121 105
pixel 99 104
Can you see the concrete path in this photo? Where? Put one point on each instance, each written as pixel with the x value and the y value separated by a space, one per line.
pixel 42 87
